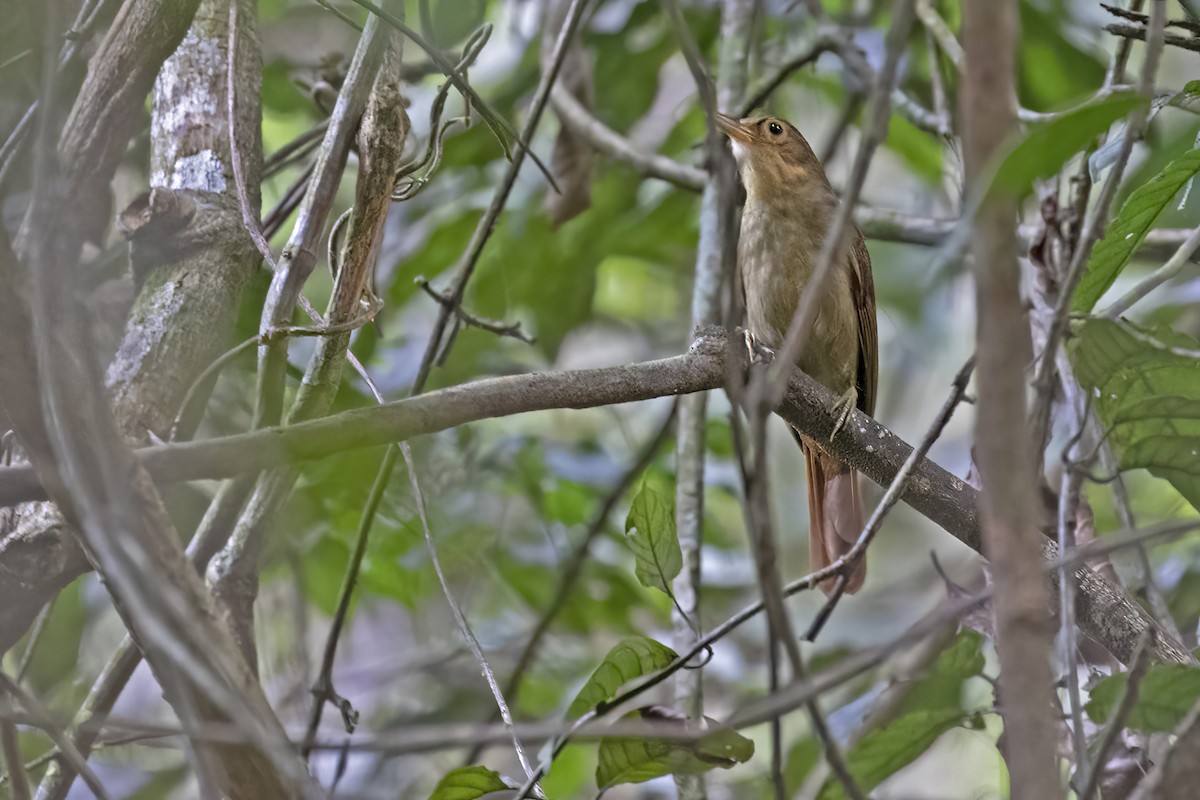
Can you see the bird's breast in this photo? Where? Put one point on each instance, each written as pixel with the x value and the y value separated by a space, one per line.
pixel 776 257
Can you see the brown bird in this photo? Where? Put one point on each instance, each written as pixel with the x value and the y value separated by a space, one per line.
pixel 790 207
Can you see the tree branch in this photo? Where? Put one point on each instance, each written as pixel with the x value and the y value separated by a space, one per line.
pixel 1005 451
pixel 1105 613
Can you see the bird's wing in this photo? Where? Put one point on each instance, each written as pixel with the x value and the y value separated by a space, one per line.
pixel 863 287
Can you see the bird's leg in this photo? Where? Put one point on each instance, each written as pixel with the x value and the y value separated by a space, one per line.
pixel 756 351
pixel 841 409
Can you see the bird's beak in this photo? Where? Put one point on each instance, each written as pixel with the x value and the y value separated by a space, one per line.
pixel 733 129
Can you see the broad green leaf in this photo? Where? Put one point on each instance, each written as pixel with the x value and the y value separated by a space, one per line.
pixel 57 648
pixel 941 686
pixel 1127 231
pixel 1147 397
pixel 637 759
pixel 885 750
pixel 800 760
pixel 916 147
pixel 962 659
pixel 468 783
pixel 632 658
pixel 1051 68
pixel 1158 407
pixel 1048 146
pixel 650 531
pixel 570 771
pixel 1165 694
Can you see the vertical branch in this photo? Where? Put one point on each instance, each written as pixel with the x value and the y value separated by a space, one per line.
pixel 106 114
pixel 1005 452
pixel 10 748
pixel 233 573
pixel 300 254
pixel 715 257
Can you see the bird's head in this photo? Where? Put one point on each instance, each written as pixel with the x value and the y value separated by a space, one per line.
pixel 773 157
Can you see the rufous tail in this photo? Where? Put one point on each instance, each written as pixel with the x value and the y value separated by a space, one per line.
pixel 835 517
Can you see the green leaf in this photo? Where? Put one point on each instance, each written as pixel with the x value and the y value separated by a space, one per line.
pixel 468 783
pixel 803 756
pixel 1048 146
pixel 885 750
pixel 633 657
pixel 635 759
pixel 1130 227
pixel 1165 695
pixel 650 531
pixel 941 686
pixel 962 659
pixel 1147 396
pixel 1051 67
pixel 916 147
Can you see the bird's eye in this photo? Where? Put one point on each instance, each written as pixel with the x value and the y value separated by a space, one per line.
pixel 775 128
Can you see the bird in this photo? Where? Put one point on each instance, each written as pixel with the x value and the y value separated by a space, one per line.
pixel 790 206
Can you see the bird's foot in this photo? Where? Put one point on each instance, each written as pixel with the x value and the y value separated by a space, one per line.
pixel 756 351
pixel 841 409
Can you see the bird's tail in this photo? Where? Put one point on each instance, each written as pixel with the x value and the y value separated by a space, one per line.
pixel 835 516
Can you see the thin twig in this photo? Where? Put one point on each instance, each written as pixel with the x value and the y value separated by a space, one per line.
pixel 435 147
pixel 190 398
pixel 42 717
pixel 10 746
pixel 1135 32
pixel 941 105
pixel 487 223
pixel 1068 504
pixel 588 127
pixel 714 264
pixel 1175 264
pixel 570 570
pixel 32 640
pixel 894 491
pixel 292 196
pixel 512 330
pixel 419 739
pixel 939 30
pixel 809 54
pixel 323 688
pixel 463 626
pixel 300 254
pixel 295 150
pixel 1116 69
pixel 777 781
pixel 1133 679
pixel 497 123
pixel 799 693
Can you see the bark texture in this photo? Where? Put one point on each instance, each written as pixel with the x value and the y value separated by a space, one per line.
pixel 188 246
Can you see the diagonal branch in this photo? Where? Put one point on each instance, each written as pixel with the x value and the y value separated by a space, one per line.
pixel 1106 614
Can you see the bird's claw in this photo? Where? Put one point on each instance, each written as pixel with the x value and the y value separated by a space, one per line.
pixel 756 352
pixel 841 409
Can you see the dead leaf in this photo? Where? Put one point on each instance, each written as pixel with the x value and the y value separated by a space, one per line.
pixel 572 158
